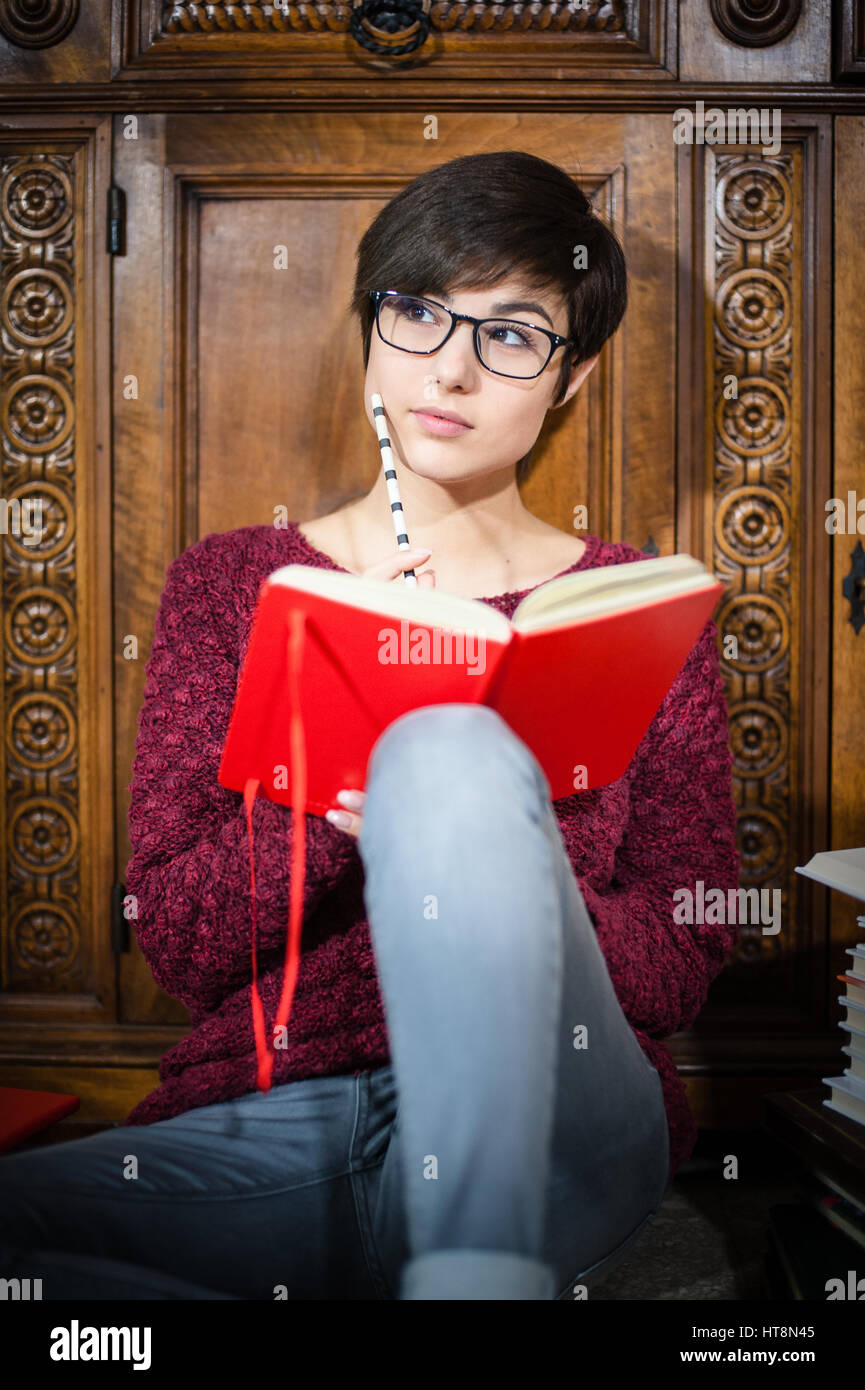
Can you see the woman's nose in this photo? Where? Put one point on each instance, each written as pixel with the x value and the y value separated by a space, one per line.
pixel 458 353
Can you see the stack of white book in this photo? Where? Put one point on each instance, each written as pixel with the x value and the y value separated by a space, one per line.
pixel 844 870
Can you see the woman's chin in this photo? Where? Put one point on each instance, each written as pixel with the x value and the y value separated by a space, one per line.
pixel 440 471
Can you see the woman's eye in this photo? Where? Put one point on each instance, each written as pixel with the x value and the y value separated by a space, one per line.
pixel 411 308
pixel 517 337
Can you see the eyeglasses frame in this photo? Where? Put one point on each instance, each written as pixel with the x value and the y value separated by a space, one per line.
pixel 556 340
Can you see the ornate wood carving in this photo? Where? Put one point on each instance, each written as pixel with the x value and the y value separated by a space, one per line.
pixel 258 16
pixel 358 36
pixel 37 23
pixel 755 23
pixel 510 42
pixel 39 580
pixel 751 232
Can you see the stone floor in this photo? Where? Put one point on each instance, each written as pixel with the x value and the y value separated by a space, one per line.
pixel 708 1239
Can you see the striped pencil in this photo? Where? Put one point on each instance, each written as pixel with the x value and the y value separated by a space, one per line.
pixel 392 488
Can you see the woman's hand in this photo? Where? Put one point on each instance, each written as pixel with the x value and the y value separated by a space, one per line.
pixel 396 563
pixel 393 567
pixel 348 820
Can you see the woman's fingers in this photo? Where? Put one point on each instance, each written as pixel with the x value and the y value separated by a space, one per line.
pixel 349 819
pixel 352 800
pixel 395 565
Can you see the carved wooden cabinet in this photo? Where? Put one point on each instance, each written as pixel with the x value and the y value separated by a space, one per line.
pixel 161 379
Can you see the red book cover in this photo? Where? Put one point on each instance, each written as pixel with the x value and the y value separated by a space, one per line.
pixel 24 1113
pixel 858 984
pixel 580 693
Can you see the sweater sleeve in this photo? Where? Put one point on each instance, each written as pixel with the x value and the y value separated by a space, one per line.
pixel 189 870
pixel 681 828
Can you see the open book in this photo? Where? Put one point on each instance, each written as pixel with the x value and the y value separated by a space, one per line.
pixel 578 672
pixel 333 659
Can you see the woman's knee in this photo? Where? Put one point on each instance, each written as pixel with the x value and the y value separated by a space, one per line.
pixel 432 746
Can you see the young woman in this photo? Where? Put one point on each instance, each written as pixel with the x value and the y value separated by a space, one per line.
pixel 473 1100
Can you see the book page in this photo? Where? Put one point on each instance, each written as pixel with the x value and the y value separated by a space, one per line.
pixel 393 599
pixel 610 589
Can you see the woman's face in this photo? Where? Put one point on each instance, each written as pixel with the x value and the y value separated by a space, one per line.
pixel 505 414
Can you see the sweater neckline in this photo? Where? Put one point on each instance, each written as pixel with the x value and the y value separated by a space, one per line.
pixel 592 545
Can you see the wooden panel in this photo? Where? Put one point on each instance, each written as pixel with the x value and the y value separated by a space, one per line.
pixel 57 833
pixel 147 532
pixel 319 182
pixel 707 56
pixel 79 54
pixel 847 787
pixel 849 40
pixel 719 1102
pixel 753 344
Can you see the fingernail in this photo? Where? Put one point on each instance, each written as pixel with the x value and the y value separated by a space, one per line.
pixel 351 799
pixel 339 818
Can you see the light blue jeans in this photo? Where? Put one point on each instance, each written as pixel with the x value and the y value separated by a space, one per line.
pixel 494 1158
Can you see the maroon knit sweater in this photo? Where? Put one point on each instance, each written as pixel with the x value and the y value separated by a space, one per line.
pixel 668 822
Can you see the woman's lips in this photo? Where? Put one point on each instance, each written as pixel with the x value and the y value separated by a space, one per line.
pixel 436 425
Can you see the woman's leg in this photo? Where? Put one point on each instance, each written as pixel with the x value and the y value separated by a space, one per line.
pixel 517 1161
pixel 240 1199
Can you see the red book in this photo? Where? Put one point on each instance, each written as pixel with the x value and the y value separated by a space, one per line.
pixel 857 993
pixel 24 1113
pixel 578 673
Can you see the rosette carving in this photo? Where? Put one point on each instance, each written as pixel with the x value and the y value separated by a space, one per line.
pixel 39 574
pixel 753 237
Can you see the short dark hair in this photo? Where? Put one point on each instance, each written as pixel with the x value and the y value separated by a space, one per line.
pixel 482 218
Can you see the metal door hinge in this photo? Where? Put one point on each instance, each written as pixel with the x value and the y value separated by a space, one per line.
pixel 853 588
pixel 116 243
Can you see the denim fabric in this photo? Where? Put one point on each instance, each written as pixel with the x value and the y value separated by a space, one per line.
pixel 490 1159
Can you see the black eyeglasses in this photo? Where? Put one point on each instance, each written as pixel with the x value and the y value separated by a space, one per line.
pixel 506 347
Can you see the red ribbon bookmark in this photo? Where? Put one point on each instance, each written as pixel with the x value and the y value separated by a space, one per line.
pixel 297 625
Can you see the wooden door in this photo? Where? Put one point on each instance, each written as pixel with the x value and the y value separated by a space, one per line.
pixel 649 445
pixel 230 314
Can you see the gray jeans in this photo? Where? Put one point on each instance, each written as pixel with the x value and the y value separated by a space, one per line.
pixel 492 1159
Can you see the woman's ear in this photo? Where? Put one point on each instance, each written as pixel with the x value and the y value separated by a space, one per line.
pixel 577 377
